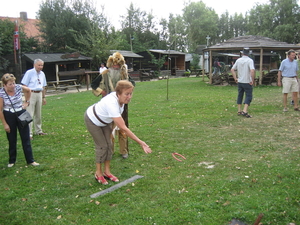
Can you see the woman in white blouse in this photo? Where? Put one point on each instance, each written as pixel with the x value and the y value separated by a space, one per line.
pixel 99 119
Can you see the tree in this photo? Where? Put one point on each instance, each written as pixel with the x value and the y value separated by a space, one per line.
pixel 195 61
pixel 3 62
pixel 177 33
pixel 278 20
pixel 6 36
pixel 6 42
pixel 200 22
pixel 157 62
pixel 140 26
pixel 60 18
pixel 224 27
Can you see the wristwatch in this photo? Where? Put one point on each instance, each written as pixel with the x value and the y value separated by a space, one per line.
pixel 27 101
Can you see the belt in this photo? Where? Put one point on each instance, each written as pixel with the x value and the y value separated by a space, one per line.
pixel 98 116
pixel 289 77
pixel 12 110
pixel 35 91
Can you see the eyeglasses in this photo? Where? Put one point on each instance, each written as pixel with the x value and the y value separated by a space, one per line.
pixel 6 77
pixel 39 81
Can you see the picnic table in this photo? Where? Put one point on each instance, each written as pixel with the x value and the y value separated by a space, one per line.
pixel 63 84
pixel 146 74
pixel 196 72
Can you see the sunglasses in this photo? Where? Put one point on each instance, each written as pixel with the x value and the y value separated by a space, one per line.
pixel 6 77
pixel 38 78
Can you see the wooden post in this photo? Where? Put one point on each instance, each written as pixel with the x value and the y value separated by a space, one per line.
pixel 261 65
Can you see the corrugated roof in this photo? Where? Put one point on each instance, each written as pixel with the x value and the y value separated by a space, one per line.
pixel 167 52
pixel 252 42
pixel 54 57
pixel 128 54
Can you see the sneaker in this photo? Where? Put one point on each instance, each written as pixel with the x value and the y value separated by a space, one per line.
pixel 34 164
pixel 125 156
pixel 10 165
pixel 285 110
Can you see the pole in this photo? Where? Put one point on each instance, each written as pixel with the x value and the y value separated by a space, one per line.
pixel 17 51
pixel 131 42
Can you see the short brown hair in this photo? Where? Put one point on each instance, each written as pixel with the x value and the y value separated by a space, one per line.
pixel 123 85
pixel 291 51
pixel 7 77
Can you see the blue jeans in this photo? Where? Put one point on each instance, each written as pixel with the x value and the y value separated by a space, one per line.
pixel 244 88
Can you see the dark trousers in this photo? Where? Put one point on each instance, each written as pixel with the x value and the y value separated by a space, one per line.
pixel 12 121
pixel 242 89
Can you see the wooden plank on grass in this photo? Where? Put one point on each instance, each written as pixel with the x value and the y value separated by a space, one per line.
pixel 123 183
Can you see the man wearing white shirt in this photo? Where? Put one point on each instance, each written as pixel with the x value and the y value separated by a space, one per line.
pixel 35 79
pixel 246 75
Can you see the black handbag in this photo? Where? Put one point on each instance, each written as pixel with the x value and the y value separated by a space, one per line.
pixel 25 118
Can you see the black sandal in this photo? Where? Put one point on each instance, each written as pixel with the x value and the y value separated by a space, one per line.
pixel 239 113
pixel 246 115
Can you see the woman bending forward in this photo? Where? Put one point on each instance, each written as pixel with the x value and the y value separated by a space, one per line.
pixel 99 119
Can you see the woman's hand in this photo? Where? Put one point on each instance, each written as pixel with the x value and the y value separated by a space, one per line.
pixel 7 128
pixel 25 105
pixel 146 148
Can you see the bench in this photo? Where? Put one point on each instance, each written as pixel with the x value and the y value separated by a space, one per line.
pixel 197 72
pixel 63 85
pixel 145 74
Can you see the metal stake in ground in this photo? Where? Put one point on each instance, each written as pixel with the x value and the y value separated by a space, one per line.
pixel 116 186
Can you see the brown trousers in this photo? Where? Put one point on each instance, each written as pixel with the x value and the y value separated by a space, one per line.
pixel 102 140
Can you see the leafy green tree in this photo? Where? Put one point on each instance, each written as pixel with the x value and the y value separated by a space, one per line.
pixel 278 20
pixel 7 45
pixel 6 36
pixel 177 33
pixel 3 62
pixel 60 18
pixel 224 27
pixel 141 30
pixel 158 62
pixel 76 26
pixel 200 21
pixel 238 25
pixel 195 61
pixel 260 20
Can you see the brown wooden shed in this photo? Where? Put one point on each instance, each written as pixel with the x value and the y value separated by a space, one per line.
pixel 174 61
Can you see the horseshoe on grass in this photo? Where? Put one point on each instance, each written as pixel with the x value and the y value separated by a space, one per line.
pixel 173 154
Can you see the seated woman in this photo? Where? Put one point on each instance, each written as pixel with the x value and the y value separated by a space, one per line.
pixel 99 119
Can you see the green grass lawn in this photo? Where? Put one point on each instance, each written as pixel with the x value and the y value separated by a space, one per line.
pixel 235 167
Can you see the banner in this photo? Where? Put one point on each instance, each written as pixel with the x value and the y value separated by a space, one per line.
pixel 16 37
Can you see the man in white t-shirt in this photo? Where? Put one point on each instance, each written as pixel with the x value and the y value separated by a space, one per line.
pixel 246 75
